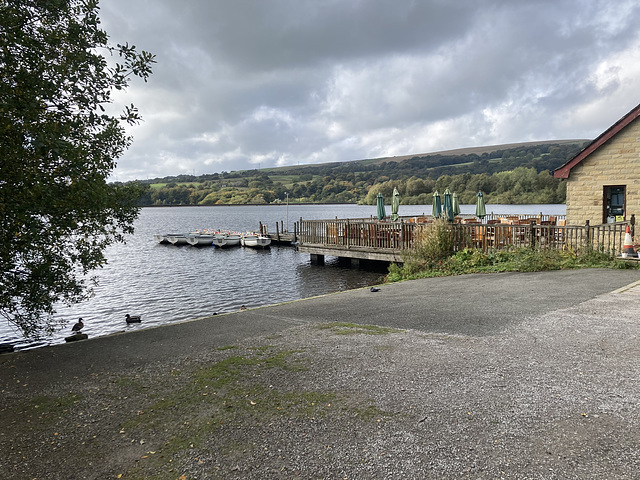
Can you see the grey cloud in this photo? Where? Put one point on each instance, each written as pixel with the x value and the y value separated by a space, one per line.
pixel 272 82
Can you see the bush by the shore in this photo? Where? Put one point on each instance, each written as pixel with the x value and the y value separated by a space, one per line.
pixel 433 257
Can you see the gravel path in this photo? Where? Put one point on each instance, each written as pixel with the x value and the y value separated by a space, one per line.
pixel 530 393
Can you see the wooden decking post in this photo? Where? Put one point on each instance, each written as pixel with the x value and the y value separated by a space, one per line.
pixel 347 234
pixel 532 234
pixel 587 228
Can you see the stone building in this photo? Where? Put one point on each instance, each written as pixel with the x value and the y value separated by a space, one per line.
pixel 603 180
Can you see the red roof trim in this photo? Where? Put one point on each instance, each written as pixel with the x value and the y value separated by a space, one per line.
pixel 612 131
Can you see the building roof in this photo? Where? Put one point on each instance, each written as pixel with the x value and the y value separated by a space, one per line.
pixel 612 131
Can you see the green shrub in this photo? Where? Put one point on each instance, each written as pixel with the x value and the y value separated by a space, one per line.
pixel 435 243
pixel 430 260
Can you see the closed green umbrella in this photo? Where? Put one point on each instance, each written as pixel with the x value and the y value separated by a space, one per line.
pixel 448 205
pixel 481 211
pixel 437 206
pixel 380 203
pixel 456 204
pixel 395 205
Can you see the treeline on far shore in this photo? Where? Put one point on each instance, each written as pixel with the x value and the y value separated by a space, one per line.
pixel 515 176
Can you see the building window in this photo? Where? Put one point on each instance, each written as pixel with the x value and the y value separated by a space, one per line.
pixel 614 203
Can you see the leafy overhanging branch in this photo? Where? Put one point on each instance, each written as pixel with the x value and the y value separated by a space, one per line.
pixel 57 211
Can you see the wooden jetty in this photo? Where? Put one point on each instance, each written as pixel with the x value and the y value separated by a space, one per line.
pixel 281 237
pixel 354 239
pixel 367 239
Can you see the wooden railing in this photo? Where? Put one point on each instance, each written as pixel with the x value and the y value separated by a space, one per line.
pixel 398 236
pixel 606 237
pixel 357 233
pixel 490 217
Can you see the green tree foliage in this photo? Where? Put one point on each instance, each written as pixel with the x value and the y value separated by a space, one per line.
pixel 516 176
pixel 519 186
pixel 57 211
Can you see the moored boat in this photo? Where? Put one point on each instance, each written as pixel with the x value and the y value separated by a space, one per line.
pixel 161 238
pixel 226 239
pixel 255 240
pixel 177 238
pixel 233 239
pixel 200 239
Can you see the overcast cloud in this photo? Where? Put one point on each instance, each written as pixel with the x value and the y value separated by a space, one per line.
pixel 245 84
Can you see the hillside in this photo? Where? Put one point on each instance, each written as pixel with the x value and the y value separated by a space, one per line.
pixel 509 173
pixel 476 150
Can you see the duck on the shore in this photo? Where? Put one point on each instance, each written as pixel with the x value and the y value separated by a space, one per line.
pixel 78 326
pixel 132 318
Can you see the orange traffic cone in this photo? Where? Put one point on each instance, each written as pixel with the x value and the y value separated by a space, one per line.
pixel 627 246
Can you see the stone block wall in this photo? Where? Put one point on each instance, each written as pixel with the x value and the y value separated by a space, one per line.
pixel 617 162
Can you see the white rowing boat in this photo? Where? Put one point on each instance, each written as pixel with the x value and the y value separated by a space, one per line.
pixel 226 239
pixel 177 238
pixel 161 238
pixel 255 240
pixel 200 239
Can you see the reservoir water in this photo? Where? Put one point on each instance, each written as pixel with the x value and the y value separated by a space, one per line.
pixel 166 283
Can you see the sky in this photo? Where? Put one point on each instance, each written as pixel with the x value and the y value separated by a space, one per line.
pixel 251 84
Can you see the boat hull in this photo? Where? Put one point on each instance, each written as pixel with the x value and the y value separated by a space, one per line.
pixel 233 240
pixel 226 240
pixel 200 240
pixel 161 239
pixel 256 241
pixel 177 239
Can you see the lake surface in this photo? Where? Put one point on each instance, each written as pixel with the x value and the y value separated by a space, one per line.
pixel 166 283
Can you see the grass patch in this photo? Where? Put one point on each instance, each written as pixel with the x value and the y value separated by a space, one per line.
pixel 130 384
pixel 371 413
pixel 45 410
pixel 228 347
pixel 233 391
pixel 347 328
pixel 236 393
pixel 54 405
pixel 236 368
pixel 261 349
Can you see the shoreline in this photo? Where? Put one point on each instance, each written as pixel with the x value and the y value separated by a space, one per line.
pixel 452 382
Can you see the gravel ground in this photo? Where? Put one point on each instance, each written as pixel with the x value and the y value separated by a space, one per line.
pixel 550 396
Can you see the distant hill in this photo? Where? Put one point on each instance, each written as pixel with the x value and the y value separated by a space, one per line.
pixel 459 153
pixel 449 157
pixel 509 173
pixel 475 150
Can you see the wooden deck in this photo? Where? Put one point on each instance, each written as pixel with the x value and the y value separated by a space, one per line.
pixel 387 241
pixel 359 239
